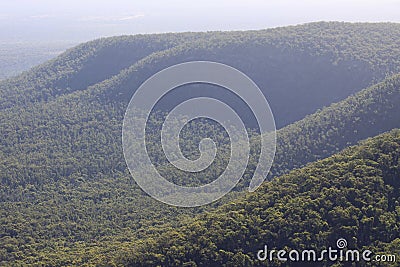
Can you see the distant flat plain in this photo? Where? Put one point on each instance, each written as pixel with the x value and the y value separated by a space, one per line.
pixel 16 57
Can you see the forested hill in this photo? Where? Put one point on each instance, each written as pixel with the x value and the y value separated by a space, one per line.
pixel 66 197
pixel 353 195
pixel 82 66
pixel 369 112
pixel 284 62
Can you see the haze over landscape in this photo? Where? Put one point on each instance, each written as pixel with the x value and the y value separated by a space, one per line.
pixel 46 20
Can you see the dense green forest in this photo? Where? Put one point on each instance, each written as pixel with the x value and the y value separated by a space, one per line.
pixel 353 195
pixel 66 195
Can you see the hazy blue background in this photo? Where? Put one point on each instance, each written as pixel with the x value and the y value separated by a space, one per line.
pixel 80 20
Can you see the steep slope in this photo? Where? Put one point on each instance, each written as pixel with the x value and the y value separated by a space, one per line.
pixel 299 69
pixel 352 195
pixel 370 112
pixel 108 206
pixel 283 62
pixel 48 124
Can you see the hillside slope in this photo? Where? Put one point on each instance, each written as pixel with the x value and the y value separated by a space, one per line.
pixel 284 62
pixel 370 112
pixel 110 207
pixel 352 195
pixel 60 134
pixel 84 65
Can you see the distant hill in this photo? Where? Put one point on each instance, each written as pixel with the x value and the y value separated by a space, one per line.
pixel 284 62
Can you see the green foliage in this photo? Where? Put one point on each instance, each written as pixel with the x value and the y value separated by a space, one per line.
pixel 370 112
pixel 350 195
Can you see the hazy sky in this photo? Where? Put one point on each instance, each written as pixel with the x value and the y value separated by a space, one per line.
pixel 80 20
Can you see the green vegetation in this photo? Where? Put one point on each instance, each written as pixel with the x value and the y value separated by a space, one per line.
pixel 353 195
pixel 367 113
pixel 66 197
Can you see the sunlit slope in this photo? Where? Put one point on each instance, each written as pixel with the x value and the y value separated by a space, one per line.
pixel 352 195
